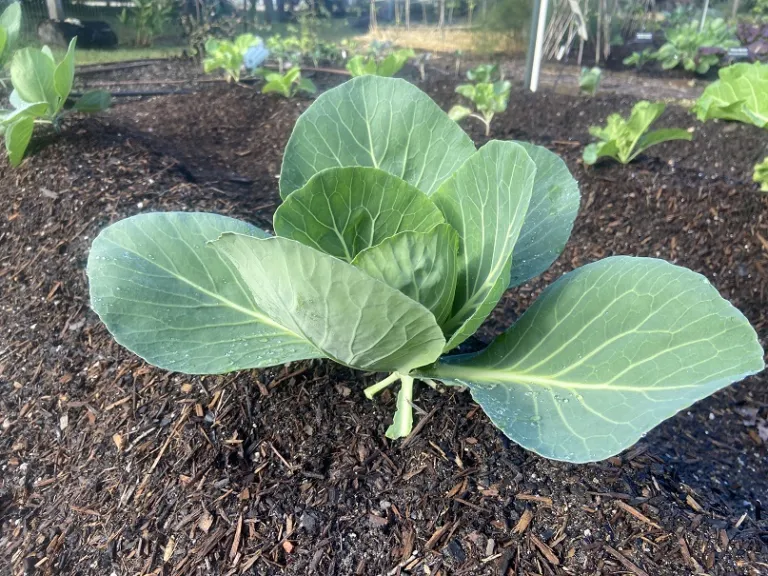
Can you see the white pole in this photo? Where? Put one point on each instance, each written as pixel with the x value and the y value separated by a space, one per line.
pixel 704 15
pixel 55 9
pixel 539 48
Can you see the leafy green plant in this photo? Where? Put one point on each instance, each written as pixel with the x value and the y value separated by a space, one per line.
pixel 41 87
pixel 149 17
pixel 489 100
pixel 10 26
pixel 372 66
pixel 623 140
pixel 484 73
pixel 740 94
pixel 589 80
pixel 228 55
pixel 287 84
pixel 684 44
pixel 639 59
pixel 761 174
pixel 395 240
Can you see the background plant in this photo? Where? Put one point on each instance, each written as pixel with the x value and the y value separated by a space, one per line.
pixel 589 80
pixel 639 59
pixel 230 55
pixel 288 84
pixel 393 245
pixel 10 26
pixel 488 99
pixel 740 94
pixel 623 140
pixel 41 87
pixel 387 66
pixel 685 42
pixel 149 18
pixel 484 73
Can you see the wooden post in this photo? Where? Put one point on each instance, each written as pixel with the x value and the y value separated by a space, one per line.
pixel 55 9
pixel 407 14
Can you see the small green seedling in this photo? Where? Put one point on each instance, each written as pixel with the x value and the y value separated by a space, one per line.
pixel 761 174
pixel 639 59
pixel 489 100
pixel 484 74
pixel 10 26
pixel 372 66
pixel 589 80
pixel 395 240
pixel 623 140
pixel 41 87
pixel 740 94
pixel 228 55
pixel 287 84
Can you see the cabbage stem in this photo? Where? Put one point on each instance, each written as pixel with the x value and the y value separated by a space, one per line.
pixel 371 391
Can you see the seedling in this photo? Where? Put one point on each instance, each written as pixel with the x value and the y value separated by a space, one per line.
pixel 590 80
pixel 740 94
pixel 230 55
pixel 485 74
pixel 761 174
pixel 41 87
pixel 395 240
pixel 639 59
pixel 371 66
pixel 287 84
pixel 489 100
pixel 623 140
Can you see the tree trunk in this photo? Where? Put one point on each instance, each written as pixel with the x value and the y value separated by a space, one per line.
pixel 450 16
pixel 407 14
pixel 280 10
pixel 598 44
pixel 735 8
pixel 372 19
pixel 441 18
pixel 484 8
pixel 397 12
pixel 424 12
pixel 269 10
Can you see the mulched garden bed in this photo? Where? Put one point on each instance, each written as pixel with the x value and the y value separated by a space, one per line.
pixel 110 466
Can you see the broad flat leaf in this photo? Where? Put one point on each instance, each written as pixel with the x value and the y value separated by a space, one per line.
pixel 605 354
pixel 551 213
pixel 169 297
pixel 93 101
pixel 421 265
pixel 485 201
pixel 10 21
pixel 738 95
pixel 32 109
pixel 32 77
pixel 3 42
pixel 659 136
pixel 17 137
pixel 349 316
pixel 342 211
pixel 384 123
pixel 64 74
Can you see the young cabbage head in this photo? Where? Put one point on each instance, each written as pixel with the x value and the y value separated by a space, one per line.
pixel 395 240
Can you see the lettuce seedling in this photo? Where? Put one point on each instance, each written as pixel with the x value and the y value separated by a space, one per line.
pixel 10 27
pixel 639 59
pixel 395 240
pixel 589 80
pixel 484 74
pixel 761 174
pixel 740 94
pixel 41 87
pixel 489 100
pixel 623 140
pixel 230 56
pixel 287 84
pixel 371 66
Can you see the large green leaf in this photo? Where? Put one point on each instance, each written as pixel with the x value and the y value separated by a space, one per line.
pixel 32 77
pixel 606 353
pixel 349 316
pixel 10 21
pixel 93 101
pixel 64 75
pixel 17 137
pixel 3 42
pixel 33 109
pixel 342 211
pixel 739 94
pixel 658 136
pixel 172 299
pixel 385 123
pixel 422 265
pixel 485 201
pixel 551 213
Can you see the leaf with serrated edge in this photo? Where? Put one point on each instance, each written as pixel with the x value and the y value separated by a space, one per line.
pixel 349 316
pixel 605 354
pixel 169 297
pixel 551 213
pixel 421 265
pixel 342 211
pixel 485 201
pixel 384 123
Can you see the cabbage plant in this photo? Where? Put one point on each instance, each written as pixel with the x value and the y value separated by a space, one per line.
pixel 41 87
pixel 10 27
pixel 740 94
pixel 288 84
pixel 484 73
pixel 372 66
pixel 489 100
pixel 230 56
pixel 395 240
pixel 589 80
pixel 623 140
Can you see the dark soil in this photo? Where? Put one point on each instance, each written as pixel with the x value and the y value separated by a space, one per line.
pixel 110 466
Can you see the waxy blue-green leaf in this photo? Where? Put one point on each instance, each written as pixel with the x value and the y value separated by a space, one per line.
pixel 342 211
pixel 349 316
pixel 32 109
pixel 605 354
pixel 32 76
pixel 485 201
pixel 739 94
pixel 64 75
pixel 421 265
pixel 384 123
pixel 168 296
pixel 551 213
pixel 93 101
